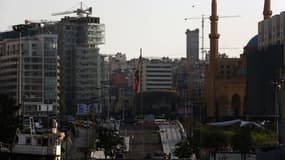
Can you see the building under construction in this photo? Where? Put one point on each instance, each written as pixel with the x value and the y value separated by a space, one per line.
pixel 80 67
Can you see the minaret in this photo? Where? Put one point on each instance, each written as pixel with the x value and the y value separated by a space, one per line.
pixel 267 9
pixel 214 36
pixel 210 81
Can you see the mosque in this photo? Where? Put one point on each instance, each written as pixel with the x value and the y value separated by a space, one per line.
pixel 226 79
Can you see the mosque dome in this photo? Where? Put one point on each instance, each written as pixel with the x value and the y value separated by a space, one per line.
pixel 253 42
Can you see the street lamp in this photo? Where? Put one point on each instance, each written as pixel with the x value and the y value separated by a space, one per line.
pixel 277 85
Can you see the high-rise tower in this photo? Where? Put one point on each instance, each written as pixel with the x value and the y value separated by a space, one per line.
pixel 80 62
pixel 192 43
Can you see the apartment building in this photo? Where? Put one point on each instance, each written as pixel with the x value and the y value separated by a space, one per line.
pixel 156 74
pixel 39 54
pixel 271 31
pixel 80 63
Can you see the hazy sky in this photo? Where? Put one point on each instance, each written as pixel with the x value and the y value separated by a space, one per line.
pixel 157 26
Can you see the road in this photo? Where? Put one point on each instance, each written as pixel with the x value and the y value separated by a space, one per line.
pixel 143 140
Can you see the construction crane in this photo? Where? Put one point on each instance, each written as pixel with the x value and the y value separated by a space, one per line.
pixel 80 11
pixel 41 22
pixel 203 26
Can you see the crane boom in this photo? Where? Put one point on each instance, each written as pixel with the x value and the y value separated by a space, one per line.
pixel 62 13
pixel 79 11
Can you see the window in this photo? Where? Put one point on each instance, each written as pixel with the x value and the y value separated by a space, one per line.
pixel 34 46
pixel 28 140
pixel 45 142
pixel 67 27
pixel 39 141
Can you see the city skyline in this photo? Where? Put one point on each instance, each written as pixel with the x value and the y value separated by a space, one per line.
pixel 156 26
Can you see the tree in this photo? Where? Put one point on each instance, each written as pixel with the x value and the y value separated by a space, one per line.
pixel 214 138
pixel 9 120
pixel 204 137
pixel 185 149
pixel 246 139
pixel 108 140
pixel 242 141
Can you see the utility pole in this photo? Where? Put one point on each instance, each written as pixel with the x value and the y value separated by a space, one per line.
pixel 277 86
pixel 20 28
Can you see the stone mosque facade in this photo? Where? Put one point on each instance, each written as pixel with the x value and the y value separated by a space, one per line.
pixel 225 78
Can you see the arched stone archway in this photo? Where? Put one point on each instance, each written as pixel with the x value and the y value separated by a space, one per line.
pixel 224 104
pixel 236 105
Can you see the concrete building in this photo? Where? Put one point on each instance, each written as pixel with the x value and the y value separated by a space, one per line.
pixel 81 65
pixel 156 74
pixel 271 31
pixel 192 44
pixel 189 82
pixel 39 54
pixel 118 63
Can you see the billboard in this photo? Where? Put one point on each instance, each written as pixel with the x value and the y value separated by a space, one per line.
pixel 89 108
pixel 83 108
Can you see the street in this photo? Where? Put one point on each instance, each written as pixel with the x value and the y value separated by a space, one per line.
pixel 144 140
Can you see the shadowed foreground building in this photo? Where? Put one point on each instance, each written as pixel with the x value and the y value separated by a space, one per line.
pixel 266 67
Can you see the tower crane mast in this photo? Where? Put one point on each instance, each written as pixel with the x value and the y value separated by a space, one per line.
pixel 203 27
